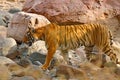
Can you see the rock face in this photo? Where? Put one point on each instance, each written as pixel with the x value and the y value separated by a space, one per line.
pixel 82 11
pixel 20 22
pixel 87 71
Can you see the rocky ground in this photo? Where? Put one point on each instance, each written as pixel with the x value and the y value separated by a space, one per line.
pixel 20 62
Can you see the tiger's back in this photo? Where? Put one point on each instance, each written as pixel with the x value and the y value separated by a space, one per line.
pixel 73 36
pixel 90 35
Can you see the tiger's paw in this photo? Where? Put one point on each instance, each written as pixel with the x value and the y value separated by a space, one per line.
pixel 44 67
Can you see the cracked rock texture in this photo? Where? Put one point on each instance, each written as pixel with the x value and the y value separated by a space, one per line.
pixel 82 11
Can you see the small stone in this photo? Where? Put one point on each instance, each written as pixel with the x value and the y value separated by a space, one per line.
pixel 7 45
pixel 4 61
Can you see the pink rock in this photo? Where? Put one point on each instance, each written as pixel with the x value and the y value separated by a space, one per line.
pixel 18 26
pixel 82 11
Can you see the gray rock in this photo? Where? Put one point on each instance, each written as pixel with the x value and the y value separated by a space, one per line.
pixel 31 70
pixel 37 57
pixel 14 10
pixel 78 56
pixel 1 21
pixel 20 52
pixel 5 17
pixel 3 31
pixel 4 61
pixel 7 45
pixel 66 72
pixel 38 46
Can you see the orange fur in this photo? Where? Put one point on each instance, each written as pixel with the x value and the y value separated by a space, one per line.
pixel 67 37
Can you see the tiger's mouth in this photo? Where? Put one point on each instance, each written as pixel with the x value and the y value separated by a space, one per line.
pixel 30 39
pixel 29 43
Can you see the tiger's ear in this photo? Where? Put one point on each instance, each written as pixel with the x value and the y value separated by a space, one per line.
pixel 36 21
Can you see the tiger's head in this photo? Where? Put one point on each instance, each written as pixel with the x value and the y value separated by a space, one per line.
pixel 33 35
pixel 29 37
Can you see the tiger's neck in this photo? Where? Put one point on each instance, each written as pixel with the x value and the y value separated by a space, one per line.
pixel 40 33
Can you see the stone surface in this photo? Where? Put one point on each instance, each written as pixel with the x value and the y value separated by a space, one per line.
pixel 5 18
pixel 5 5
pixel 38 46
pixel 31 70
pixel 95 73
pixel 4 61
pixel 14 10
pixel 78 56
pixel 20 21
pixel 66 72
pixel 7 45
pixel 3 31
pixel 82 11
pixel 23 78
pixel 4 73
pixel 20 52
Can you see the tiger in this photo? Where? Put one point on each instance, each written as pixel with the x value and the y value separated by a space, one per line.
pixel 66 37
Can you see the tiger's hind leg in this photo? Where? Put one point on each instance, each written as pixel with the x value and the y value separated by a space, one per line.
pixel 88 51
pixel 109 52
pixel 95 56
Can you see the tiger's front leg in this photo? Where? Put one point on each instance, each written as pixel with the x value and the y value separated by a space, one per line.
pixel 51 52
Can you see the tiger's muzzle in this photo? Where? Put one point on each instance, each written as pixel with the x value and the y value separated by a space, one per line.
pixel 30 38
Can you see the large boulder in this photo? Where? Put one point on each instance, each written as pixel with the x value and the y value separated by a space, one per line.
pixel 82 11
pixel 66 72
pixel 38 46
pixel 18 26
